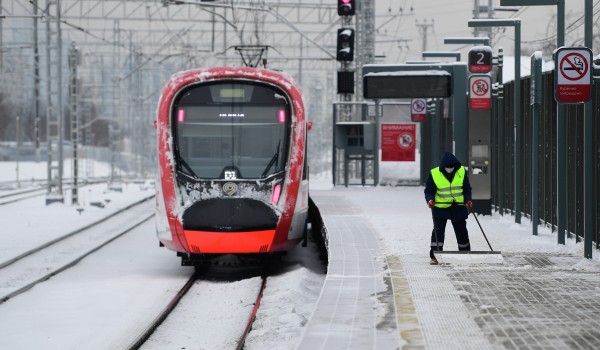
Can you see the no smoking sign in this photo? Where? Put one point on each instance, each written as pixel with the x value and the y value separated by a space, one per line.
pixel 418 109
pixel 573 75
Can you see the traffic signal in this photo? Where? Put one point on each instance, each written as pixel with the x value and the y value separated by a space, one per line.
pixel 345 44
pixel 346 7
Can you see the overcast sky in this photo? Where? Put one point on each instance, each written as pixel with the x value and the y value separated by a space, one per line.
pixel 450 20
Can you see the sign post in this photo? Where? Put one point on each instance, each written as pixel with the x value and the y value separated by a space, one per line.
pixel 418 110
pixel 573 83
pixel 480 92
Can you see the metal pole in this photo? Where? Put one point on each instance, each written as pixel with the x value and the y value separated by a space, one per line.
pixel 435 132
pixel 18 148
pixel 561 188
pixel 536 76
pixel 61 126
pixel 517 115
pixel 36 81
pixel 73 96
pixel 377 143
pixel 333 150
pixel 459 102
pixel 561 161
pixel 588 194
pixel 501 148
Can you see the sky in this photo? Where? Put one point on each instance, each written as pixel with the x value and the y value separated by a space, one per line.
pixel 450 19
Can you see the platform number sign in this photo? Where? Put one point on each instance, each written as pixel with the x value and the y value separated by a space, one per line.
pixel 480 59
pixel 573 83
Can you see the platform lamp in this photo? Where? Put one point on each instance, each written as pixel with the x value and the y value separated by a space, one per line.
pixel 439 54
pixel 560 112
pixel 516 23
pixel 477 40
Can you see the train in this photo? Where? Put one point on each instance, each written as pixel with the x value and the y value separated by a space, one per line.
pixel 233 171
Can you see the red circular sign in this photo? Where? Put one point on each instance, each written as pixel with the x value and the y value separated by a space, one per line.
pixel 480 87
pixel 418 106
pixel 576 63
pixel 405 140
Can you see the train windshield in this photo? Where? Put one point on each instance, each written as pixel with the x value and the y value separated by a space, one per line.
pixel 231 130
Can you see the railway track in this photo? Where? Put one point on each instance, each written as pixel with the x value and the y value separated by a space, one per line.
pixel 141 340
pixel 16 196
pixel 24 271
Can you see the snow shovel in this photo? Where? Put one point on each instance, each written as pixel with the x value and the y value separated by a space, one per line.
pixel 467 257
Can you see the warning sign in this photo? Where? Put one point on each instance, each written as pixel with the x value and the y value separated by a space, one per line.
pixel 418 108
pixel 398 142
pixel 480 91
pixel 573 75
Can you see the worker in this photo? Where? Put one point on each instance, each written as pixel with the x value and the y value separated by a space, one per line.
pixel 448 194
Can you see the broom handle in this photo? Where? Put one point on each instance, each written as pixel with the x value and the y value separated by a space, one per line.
pixel 484 236
pixel 437 244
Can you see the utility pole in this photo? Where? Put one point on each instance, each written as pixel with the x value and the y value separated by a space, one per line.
pixel 36 81
pixel 488 12
pixel 424 29
pixel 54 112
pixel 74 98
pixel 365 41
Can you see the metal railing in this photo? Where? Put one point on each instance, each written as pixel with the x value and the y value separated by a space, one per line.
pixel 503 136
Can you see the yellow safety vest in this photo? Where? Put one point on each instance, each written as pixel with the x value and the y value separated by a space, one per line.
pixel 448 192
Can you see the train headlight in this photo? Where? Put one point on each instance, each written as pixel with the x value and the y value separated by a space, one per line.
pixel 276 194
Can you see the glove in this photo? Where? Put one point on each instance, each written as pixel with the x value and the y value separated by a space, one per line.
pixel 469 204
pixel 431 203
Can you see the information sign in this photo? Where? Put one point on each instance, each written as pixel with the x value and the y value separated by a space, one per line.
pixel 398 142
pixel 573 75
pixel 480 92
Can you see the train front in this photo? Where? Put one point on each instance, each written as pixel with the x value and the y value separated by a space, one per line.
pixel 231 154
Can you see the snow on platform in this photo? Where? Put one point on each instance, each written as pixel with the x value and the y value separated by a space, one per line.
pixel 381 292
pixel 355 308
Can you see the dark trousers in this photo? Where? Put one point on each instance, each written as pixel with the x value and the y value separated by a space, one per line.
pixel 460 228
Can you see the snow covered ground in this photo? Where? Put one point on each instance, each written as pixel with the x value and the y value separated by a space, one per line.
pixel 106 299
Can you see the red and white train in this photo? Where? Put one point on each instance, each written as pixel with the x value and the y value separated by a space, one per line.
pixel 232 163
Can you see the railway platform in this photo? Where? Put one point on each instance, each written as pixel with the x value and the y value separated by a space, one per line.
pixel 381 293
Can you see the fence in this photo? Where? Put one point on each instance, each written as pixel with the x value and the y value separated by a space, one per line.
pixel 503 175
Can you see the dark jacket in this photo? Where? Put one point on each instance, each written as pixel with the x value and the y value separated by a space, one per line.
pixel 454 212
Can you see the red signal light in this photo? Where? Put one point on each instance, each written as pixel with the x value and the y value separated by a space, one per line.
pixel 346 7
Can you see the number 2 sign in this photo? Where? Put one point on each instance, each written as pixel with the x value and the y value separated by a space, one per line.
pixel 480 59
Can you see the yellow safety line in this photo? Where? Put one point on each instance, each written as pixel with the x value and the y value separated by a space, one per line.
pixel 406 316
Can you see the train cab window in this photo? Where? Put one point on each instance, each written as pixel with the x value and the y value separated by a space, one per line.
pixel 231 130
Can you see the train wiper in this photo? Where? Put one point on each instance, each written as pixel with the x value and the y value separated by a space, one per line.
pixel 187 167
pixel 274 160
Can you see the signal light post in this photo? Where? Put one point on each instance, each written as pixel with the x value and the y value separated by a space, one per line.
pixel 345 49
pixel 345 45
pixel 346 7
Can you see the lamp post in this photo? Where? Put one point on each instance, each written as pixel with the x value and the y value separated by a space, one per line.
pixel 588 216
pixel 435 147
pixel 440 54
pixel 516 23
pixel 478 40
pixel 560 113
